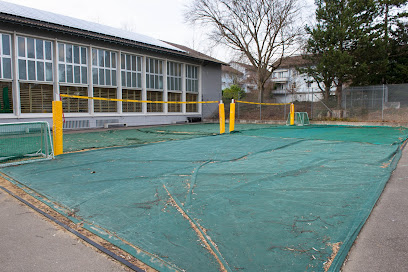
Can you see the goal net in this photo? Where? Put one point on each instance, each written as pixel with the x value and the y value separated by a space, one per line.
pixel 24 142
pixel 301 119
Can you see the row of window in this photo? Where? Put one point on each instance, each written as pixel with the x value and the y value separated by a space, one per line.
pixel 37 98
pixel 35 62
pixel 282 74
pixel 5 56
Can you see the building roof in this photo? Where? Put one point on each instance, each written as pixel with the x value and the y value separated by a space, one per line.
pixel 230 70
pixel 57 19
pixel 18 14
pixel 248 67
pixel 195 53
pixel 293 62
pixel 287 62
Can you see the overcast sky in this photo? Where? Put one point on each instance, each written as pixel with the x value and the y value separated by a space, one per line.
pixel 160 19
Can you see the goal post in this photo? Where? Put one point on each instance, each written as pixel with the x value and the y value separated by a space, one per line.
pixel 24 142
pixel 57 127
pixel 298 119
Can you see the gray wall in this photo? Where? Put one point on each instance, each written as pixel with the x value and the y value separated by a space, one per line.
pixel 211 84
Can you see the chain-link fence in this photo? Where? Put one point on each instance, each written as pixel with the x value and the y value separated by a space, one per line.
pixel 380 103
pixel 387 103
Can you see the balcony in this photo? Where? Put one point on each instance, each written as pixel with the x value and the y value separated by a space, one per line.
pixel 279 91
pixel 280 79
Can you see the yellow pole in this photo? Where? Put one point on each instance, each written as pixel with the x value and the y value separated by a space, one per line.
pixel 232 116
pixel 292 114
pixel 222 117
pixel 57 133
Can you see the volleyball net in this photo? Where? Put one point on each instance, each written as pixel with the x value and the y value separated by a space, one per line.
pixel 229 111
pixel 156 103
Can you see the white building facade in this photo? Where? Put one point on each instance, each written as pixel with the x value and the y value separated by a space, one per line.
pixel 44 55
pixel 290 86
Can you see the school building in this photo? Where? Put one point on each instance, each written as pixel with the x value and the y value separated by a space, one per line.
pixel 44 55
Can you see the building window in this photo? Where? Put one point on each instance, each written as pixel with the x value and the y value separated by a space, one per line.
pixel 191 78
pixel 280 74
pixel 174 97
pixel 279 87
pixel 105 105
pixel 34 59
pixel 74 104
pixel 190 98
pixel 103 67
pixel 131 69
pixel 173 76
pixel 154 74
pixel 131 95
pixel 6 98
pixel 5 56
pixel 36 98
pixel 72 64
pixel 154 96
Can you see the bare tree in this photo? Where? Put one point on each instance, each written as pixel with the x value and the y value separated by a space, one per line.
pixel 264 31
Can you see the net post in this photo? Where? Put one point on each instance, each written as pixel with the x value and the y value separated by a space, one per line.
pixel 232 116
pixel 222 117
pixel 57 133
pixel 292 114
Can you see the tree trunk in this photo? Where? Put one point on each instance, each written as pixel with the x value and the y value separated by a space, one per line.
pixel 326 92
pixel 339 90
pixel 261 88
pixel 384 79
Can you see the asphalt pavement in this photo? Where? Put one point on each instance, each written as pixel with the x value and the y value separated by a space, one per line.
pixel 30 242
pixel 382 244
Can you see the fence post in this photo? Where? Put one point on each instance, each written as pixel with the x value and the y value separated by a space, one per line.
pixel 222 117
pixel 57 133
pixel 292 114
pixel 311 110
pixel 232 116
pixel 382 105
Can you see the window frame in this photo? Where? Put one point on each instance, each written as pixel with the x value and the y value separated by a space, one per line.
pixel 159 75
pixel 5 56
pixel 83 79
pixel 174 108
pixel 136 74
pixel 173 76
pixel 95 65
pixel 29 59
pixel 194 78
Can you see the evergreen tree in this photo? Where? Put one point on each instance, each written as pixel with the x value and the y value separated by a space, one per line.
pixel 342 32
pixel 377 58
pixel 398 60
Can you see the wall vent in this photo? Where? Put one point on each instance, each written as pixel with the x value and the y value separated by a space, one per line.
pixel 76 124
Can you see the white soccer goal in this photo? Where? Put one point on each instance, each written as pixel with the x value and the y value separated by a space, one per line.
pixel 25 142
pixel 301 119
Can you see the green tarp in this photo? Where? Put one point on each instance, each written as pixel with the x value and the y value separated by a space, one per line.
pixel 268 199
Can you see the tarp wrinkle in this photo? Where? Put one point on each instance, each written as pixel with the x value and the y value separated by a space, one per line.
pixel 269 198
